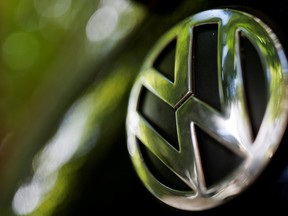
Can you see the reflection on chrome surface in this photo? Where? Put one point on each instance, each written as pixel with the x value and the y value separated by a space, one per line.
pixel 231 126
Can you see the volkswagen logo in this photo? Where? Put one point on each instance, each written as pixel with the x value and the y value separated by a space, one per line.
pixel 208 110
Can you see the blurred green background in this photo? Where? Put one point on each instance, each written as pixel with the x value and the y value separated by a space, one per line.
pixel 56 93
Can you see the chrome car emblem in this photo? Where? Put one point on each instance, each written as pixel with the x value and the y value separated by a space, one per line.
pixel 229 134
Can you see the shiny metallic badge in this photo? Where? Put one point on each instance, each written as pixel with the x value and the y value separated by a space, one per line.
pixel 200 134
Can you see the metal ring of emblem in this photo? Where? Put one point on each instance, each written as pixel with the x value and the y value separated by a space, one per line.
pixel 230 127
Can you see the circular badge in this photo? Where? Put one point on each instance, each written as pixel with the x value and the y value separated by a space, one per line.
pixel 209 109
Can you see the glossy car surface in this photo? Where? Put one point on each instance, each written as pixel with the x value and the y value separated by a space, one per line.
pixel 66 73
